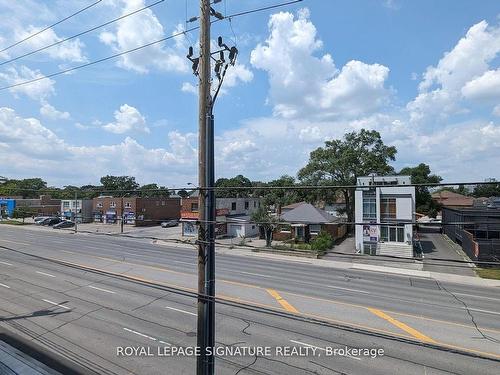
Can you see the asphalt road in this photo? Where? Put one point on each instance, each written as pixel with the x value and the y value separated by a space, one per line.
pixel 92 297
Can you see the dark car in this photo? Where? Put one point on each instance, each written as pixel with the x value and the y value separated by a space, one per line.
pixel 50 221
pixel 170 223
pixel 64 224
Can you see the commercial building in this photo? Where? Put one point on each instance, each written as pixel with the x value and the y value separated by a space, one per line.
pixel 384 215
pixel 477 230
pixel 135 210
pixel 7 207
pixel 43 206
pixel 232 216
pixel 82 208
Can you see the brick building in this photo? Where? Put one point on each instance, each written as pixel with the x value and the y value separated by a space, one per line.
pixel 44 205
pixel 137 211
pixel 232 216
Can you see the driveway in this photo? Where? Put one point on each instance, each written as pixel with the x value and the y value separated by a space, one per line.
pixel 436 246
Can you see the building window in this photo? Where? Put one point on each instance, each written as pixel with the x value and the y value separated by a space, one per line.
pixel 285 228
pixel 233 206
pixel 254 204
pixel 194 207
pixel 388 208
pixel 112 204
pixel 128 205
pixel 163 203
pixel 369 208
pixel 246 205
pixel 392 234
pixel 314 228
pixel 157 203
pixel 65 205
pixel 99 205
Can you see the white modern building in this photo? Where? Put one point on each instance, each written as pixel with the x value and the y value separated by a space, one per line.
pixel 81 207
pixel 384 213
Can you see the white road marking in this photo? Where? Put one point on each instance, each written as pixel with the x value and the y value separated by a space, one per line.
pixel 67 251
pixel 179 310
pixel 163 342
pixel 140 334
pixel 317 347
pixel 7 264
pixel 56 304
pixel 471 295
pixel 5 286
pixel 46 274
pixel 349 289
pixel 102 290
pixel 483 311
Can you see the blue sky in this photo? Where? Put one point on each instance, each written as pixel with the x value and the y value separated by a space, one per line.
pixel 423 73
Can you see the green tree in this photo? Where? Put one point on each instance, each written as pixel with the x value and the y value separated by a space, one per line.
pixel 267 222
pixel 322 242
pixel 22 213
pixel 232 187
pixel 421 174
pixel 153 190
pixel 27 188
pixel 122 183
pixel 342 161
pixel 277 195
pixel 487 190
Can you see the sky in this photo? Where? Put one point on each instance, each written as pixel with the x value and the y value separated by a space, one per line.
pixel 425 74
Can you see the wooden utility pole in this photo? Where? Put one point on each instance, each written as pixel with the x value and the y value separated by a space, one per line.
pixel 203 325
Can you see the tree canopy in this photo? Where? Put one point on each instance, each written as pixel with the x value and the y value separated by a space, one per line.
pixel 342 161
pixel 421 174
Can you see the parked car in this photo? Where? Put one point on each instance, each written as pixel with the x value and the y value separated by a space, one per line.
pixel 170 223
pixel 50 221
pixel 64 224
pixel 39 219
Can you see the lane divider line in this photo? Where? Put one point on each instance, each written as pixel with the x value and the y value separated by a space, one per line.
pixel 57 304
pixel 182 311
pixel 46 274
pixel 102 290
pixel 283 302
pixel 139 334
pixel 401 325
pixel 348 324
pixel 5 286
pixel 7 264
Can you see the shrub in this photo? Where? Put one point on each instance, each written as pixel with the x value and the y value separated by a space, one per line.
pixel 322 242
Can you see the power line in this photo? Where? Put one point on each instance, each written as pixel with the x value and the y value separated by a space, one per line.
pixel 80 33
pixel 255 188
pixel 50 26
pixel 61 72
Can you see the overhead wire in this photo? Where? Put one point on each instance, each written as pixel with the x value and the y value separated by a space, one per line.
pixel 61 72
pixel 50 26
pixel 80 33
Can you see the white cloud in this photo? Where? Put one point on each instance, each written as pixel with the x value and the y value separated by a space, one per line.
pixel 127 119
pixel 38 90
pixel 485 87
pixel 143 28
pixel 302 84
pixel 52 113
pixel 71 50
pixel 496 110
pixel 189 87
pixel 440 91
pixel 30 149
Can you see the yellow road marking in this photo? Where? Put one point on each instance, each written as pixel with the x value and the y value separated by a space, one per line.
pixel 282 302
pixel 401 325
pixel 348 324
